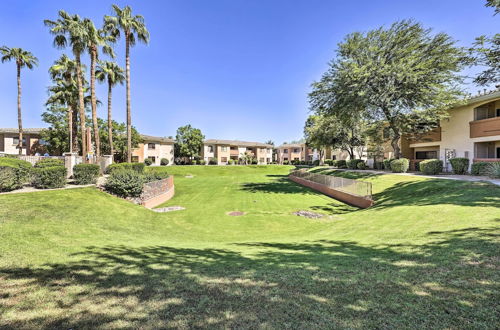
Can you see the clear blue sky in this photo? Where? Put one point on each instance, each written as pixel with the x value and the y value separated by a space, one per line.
pixel 236 69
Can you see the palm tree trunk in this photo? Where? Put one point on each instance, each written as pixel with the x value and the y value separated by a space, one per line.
pixel 81 107
pixel 70 127
pixel 19 117
pixel 110 123
pixel 129 116
pixel 93 58
pixel 75 127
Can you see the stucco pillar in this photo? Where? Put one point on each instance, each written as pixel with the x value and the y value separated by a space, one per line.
pixel 69 162
pixel 106 160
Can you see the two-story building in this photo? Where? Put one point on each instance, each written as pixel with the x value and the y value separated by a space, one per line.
pixel 472 130
pixel 32 143
pixel 155 148
pixel 296 152
pixel 222 151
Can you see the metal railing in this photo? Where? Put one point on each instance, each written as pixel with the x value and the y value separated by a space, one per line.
pixel 349 186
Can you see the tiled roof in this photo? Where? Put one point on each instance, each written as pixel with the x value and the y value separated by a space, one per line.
pixel 25 130
pixel 156 139
pixel 292 145
pixel 237 143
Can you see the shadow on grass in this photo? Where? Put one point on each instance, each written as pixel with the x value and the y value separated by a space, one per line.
pixel 280 185
pixel 439 192
pixel 447 283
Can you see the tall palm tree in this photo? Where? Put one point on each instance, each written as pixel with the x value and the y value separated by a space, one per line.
pixel 71 30
pixel 64 69
pixel 96 38
pixel 134 28
pixel 113 74
pixel 23 59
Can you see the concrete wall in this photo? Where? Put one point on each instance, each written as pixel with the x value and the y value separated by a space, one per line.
pixel 157 192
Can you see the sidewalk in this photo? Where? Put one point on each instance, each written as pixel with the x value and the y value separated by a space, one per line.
pixel 439 176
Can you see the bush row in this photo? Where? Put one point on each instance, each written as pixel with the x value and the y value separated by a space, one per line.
pixel 127 182
pixel 138 167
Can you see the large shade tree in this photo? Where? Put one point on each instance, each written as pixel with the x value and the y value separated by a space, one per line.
pixel 70 30
pixel 391 74
pixel 188 141
pixel 134 29
pixel 112 74
pixel 23 59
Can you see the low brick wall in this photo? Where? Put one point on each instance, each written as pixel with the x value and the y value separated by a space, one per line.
pixel 157 192
pixel 337 194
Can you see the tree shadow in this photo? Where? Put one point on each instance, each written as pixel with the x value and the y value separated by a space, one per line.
pixel 281 185
pixel 345 174
pixel 439 192
pixel 318 284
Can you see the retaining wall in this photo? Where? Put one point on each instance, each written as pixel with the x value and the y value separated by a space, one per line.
pixel 157 192
pixel 337 194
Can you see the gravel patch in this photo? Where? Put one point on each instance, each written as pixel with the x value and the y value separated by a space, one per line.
pixel 309 214
pixel 235 213
pixel 168 209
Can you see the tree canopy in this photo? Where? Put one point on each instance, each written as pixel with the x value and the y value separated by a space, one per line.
pixel 189 141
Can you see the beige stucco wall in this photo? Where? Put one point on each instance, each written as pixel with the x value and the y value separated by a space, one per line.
pixel 162 150
pixel 7 145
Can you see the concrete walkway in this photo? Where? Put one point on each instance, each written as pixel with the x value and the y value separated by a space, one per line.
pixel 439 176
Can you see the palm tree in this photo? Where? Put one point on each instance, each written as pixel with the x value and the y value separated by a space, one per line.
pixel 96 38
pixel 23 59
pixel 113 74
pixel 71 30
pixel 133 28
pixel 64 69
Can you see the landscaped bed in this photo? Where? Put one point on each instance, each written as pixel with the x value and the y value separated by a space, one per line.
pixel 425 255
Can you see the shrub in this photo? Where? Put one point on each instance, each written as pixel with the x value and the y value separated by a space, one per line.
pixel 86 173
pixel 285 162
pixel 154 176
pixel 459 165
pixel 164 162
pixel 341 164
pixel 353 163
pixel 480 168
pixel 212 161
pixel 378 165
pixel 202 162
pixel 254 162
pixel 361 165
pixel 148 162
pixel 316 162
pixel 431 166
pixel 231 162
pixel 329 162
pixel 49 162
pixel 125 183
pixel 493 170
pixel 400 165
pixel 13 173
pixel 49 177
pixel 138 167
pixel 387 164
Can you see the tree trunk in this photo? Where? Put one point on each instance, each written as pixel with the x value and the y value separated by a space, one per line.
pixel 74 120
pixel 19 116
pixel 70 127
pixel 93 58
pixel 110 123
pixel 81 107
pixel 129 116
pixel 395 145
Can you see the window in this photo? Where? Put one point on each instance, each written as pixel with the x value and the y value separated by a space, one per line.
pixel 498 152
pixel 234 148
pixel 152 158
pixel 210 148
pixel 261 160
pixel 296 158
pixel 223 159
pixel 223 148
pixel 285 151
pixel 425 154
pixel 151 146
pixel 498 112
pixel 285 159
pixel 15 141
pixel 334 157
pixel 296 150
pixel 135 159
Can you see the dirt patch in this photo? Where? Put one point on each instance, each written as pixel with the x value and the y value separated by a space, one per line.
pixel 309 214
pixel 235 213
pixel 189 176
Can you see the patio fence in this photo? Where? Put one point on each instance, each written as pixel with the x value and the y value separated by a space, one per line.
pixel 351 191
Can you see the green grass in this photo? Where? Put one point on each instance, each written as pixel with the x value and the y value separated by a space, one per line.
pixel 426 255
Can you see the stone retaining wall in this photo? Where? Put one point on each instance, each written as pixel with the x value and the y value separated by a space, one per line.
pixel 340 195
pixel 157 192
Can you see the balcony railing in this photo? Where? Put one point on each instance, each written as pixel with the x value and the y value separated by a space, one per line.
pixel 485 127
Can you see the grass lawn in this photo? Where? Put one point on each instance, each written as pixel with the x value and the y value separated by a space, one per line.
pixel 426 255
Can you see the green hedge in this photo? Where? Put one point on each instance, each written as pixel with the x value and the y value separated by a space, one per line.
pixel 329 162
pixel 14 173
pixel 202 162
pixel 494 170
pixel 431 166
pixel 340 163
pixel 49 162
pixel 129 183
pixel 353 163
pixel 387 164
pixel 148 162
pixel 459 165
pixel 164 162
pixel 49 177
pixel 480 168
pixel 86 173
pixel 362 165
pixel 138 167
pixel 400 165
